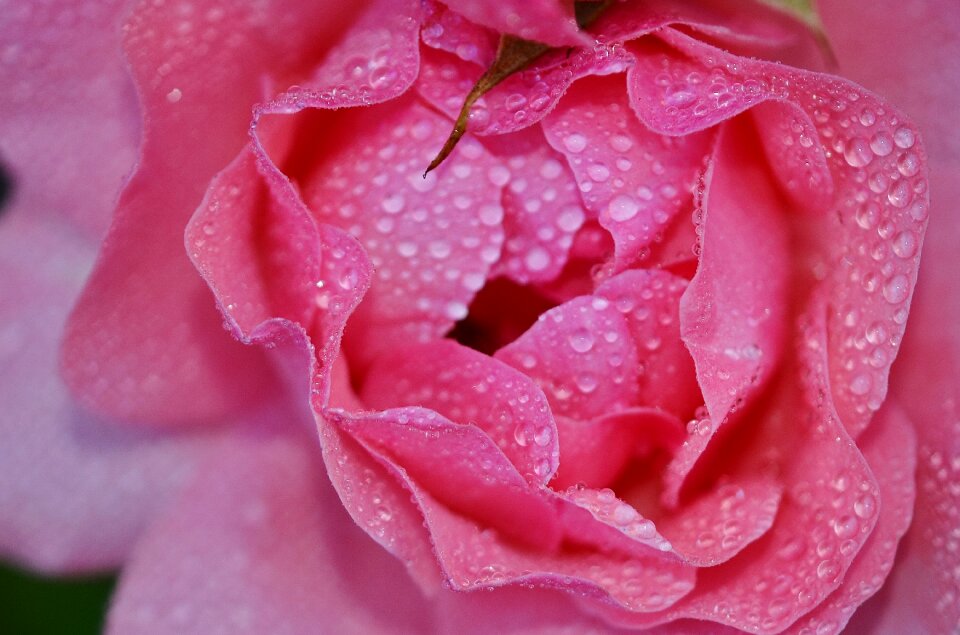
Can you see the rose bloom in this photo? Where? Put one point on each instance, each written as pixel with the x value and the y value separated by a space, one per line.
pixel 619 363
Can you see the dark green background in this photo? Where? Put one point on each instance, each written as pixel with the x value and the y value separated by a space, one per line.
pixel 35 604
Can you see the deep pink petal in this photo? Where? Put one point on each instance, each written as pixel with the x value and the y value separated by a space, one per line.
pixel 634 180
pixel 919 76
pixel 547 21
pixel 476 558
pixel 583 357
pixel 144 342
pixel 66 87
pixel 461 467
pixel 890 448
pixel 542 210
pixel 260 543
pixel 649 300
pixel 77 490
pixel 468 387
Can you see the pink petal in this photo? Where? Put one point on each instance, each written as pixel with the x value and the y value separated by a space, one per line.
pixel 719 525
pixel 890 448
pixel 870 237
pixel 828 511
pixel 594 453
pixel 66 87
pixel 77 490
pixel 635 181
pixel 542 210
pixel 468 387
pixel 547 21
pixel 431 241
pixel 144 342
pixel 649 300
pixel 919 76
pixel 583 357
pixel 733 315
pixel 475 557
pixel 259 543
pixel 460 466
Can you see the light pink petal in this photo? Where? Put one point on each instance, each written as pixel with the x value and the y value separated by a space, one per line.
pixel 827 513
pixel 733 316
pixel 66 87
pixel 259 543
pixel 461 467
pixel 868 242
pixel 649 300
pixel 144 342
pixel 469 387
pixel 549 21
pixel 542 210
pixel 432 241
pixel 890 448
pixel 594 453
pixel 77 490
pixel 522 99
pixel 583 357
pixel 634 180
pixel 919 76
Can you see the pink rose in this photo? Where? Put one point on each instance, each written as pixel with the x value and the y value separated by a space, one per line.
pixel 621 360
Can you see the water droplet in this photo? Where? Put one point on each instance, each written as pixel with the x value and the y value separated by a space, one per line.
pixel 899 194
pixel 499 175
pixel 393 204
pixel 520 435
pixel 905 244
pixel 515 102
pixel 881 144
pixel 174 95
pixel 598 172
pixel 857 152
pixel 491 215
pixel 623 208
pixel 456 310
pixel 904 138
pixel 537 259
pixel 575 143
pixel 908 163
pixel 621 143
pixel 586 383
pixel 846 526
pixel 865 506
pixel 896 289
pixel 860 385
pixel 828 570
pixel 581 340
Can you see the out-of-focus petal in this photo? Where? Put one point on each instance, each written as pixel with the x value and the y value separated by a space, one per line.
pixel 260 543
pixel 77 490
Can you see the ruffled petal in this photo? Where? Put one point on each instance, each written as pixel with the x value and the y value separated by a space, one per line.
pixel 866 247
pixel 469 387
